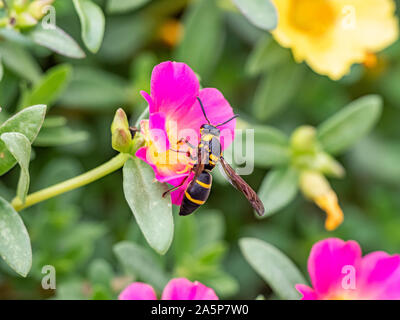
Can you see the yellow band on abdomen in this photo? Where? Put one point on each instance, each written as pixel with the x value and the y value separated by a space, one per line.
pixel 204 185
pixel 199 202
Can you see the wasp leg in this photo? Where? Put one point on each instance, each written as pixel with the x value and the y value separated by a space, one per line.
pixel 188 167
pixel 174 188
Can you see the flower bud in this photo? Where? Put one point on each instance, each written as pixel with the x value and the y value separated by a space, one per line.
pixel 19 5
pixel 315 187
pixel 304 139
pixel 25 19
pixel 37 8
pixel 121 135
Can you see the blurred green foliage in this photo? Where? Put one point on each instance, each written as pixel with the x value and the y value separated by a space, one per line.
pixel 89 234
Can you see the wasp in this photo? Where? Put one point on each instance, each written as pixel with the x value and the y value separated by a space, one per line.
pixel 209 154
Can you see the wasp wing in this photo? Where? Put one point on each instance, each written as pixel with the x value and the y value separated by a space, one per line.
pixel 243 187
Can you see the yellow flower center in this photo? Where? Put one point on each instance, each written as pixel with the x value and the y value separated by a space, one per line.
pixel 314 17
pixel 168 162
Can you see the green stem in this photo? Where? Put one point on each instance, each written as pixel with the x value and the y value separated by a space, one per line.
pixel 71 184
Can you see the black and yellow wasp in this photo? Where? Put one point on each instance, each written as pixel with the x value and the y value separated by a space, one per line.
pixel 209 153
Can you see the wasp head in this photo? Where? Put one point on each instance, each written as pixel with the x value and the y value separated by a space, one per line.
pixel 208 128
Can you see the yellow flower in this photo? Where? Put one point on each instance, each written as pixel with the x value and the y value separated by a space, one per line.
pixel 331 35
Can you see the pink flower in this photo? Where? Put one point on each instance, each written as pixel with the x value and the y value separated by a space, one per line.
pixel 176 289
pixel 176 116
pixel 339 272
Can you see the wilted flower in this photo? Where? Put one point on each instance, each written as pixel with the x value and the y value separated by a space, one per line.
pixel 313 164
pixel 173 128
pixel 316 187
pixel 339 272
pixel 330 36
pixel 176 289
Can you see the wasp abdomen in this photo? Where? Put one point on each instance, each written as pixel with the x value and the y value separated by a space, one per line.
pixel 196 193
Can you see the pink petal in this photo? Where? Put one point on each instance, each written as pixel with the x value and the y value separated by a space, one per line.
pixel 327 261
pixel 177 195
pixel 217 109
pixel 138 291
pixel 173 85
pixel 307 292
pixel 183 289
pixel 158 131
pixel 380 276
pixel 149 100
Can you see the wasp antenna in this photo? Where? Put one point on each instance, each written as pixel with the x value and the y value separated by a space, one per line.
pixel 204 111
pixel 221 124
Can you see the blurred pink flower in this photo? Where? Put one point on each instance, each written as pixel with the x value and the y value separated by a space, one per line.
pixel 176 289
pixel 339 272
pixel 176 116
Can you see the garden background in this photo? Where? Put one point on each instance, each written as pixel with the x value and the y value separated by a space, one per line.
pixel 90 235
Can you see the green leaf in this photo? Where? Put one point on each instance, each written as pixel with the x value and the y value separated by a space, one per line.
pixel 101 272
pixel 210 222
pixel 278 189
pixel 94 89
pixel 261 13
pixel 125 35
pixel 19 61
pixel 243 27
pixel 382 161
pixel 57 40
pixel 28 122
pixel 223 283
pixel 388 84
pixel 141 263
pixel 271 147
pixel 185 238
pixel 345 128
pixel 118 6
pixel 203 38
pixel 266 56
pixel 92 23
pixel 152 212
pixel 71 290
pixel 20 148
pixel 276 89
pixel 60 136
pixel 273 266
pixel 15 245
pixel 100 292
pixel 211 254
pixel 50 87
pixel 1 69
pixel 54 121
